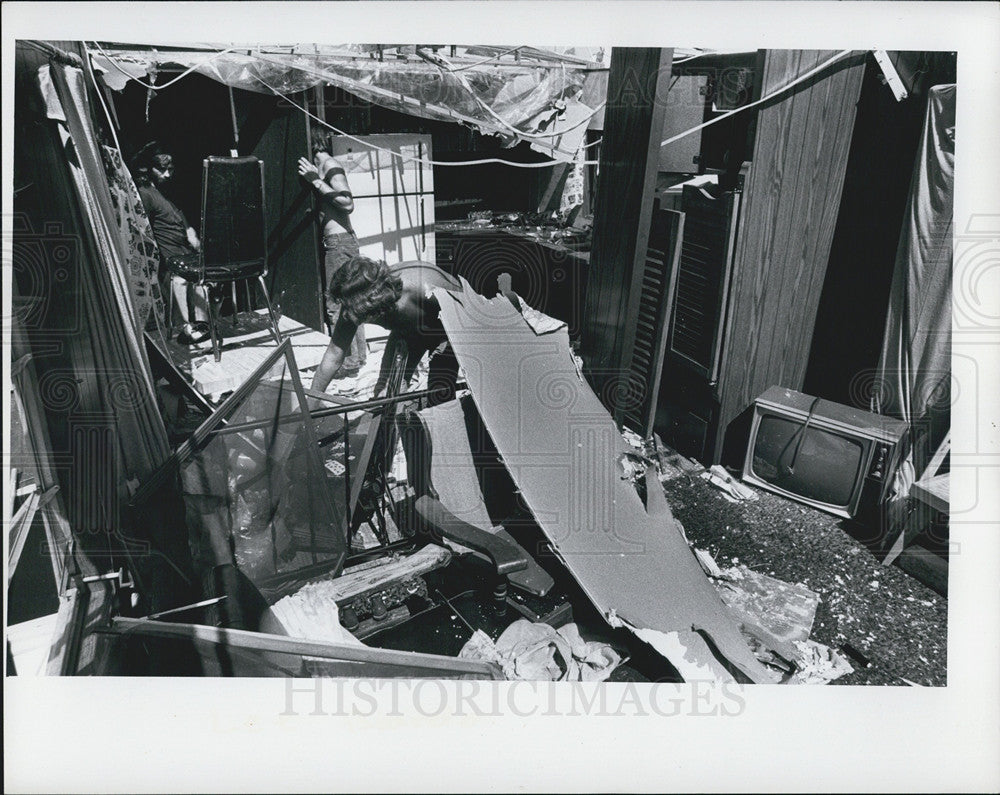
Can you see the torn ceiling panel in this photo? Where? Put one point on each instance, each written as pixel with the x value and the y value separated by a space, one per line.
pixel 562 449
pixel 535 99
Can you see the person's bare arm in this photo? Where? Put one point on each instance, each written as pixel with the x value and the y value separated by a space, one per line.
pixel 394 343
pixel 333 189
pixel 335 179
pixel 340 342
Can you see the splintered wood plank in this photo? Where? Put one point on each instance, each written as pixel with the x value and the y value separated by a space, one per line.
pixel 244 349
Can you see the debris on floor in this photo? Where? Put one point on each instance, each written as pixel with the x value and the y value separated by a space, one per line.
pixel 367 589
pixel 818 664
pixel 537 652
pixel 669 463
pixel 731 488
pixel 894 621
pixel 778 618
pixel 708 563
pixel 784 611
pixel 313 614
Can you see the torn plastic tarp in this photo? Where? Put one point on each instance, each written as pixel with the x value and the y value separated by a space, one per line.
pixel 562 448
pixel 513 103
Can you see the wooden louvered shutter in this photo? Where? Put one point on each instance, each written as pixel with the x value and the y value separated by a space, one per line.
pixel 650 342
pixel 703 279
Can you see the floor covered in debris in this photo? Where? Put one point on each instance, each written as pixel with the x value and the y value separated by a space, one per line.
pixel 890 627
pixel 898 624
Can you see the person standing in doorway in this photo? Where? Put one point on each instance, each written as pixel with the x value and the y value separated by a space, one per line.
pixel 340 243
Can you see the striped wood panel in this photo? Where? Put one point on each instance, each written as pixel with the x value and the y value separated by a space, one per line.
pixel 792 197
pixel 703 279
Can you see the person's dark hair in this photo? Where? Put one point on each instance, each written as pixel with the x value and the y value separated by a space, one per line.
pixel 319 140
pixel 144 160
pixel 365 288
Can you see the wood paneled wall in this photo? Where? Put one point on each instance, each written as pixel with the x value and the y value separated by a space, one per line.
pixel 630 153
pixel 791 200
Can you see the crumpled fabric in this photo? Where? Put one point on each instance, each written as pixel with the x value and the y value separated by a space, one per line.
pixel 537 652
pixel 913 381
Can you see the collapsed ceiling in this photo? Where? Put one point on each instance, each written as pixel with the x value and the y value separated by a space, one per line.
pixel 544 97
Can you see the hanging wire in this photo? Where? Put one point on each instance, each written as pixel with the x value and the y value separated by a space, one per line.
pixel 324 76
pixel 445 68
pixel 400 155
pixel 499 55
pixel 169 83
pixel 772 95
pixel 484 161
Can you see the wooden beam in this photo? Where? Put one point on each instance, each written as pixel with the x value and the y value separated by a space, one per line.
pixel 630 153
pixel 410 663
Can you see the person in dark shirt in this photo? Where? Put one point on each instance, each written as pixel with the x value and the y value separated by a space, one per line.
pixel 152 167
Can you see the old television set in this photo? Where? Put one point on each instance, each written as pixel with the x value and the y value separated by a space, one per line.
pixel 824 454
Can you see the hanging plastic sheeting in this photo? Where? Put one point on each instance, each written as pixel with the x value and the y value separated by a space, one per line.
pixel 914 374
pixel 536 100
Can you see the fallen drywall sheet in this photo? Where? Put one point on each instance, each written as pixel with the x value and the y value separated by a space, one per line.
pixel 562 449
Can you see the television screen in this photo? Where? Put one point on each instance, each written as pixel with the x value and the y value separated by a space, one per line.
pixel 808 461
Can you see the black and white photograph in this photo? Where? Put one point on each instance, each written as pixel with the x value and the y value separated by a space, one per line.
pixel 394 416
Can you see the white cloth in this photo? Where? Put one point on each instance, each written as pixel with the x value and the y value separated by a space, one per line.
pixel 537 652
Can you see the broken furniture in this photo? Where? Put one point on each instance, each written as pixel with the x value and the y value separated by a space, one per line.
pixel 253 501
pixel 363 599
pixel 441 471
pixel 928 499
pixel 233 237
